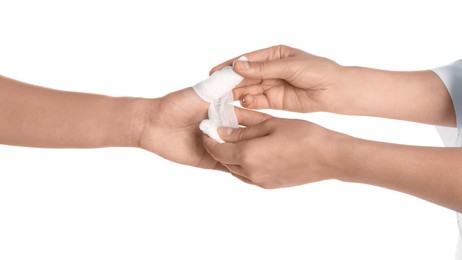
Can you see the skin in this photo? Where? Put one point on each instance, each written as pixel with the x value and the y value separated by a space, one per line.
pixel 168 126
pixel 281 77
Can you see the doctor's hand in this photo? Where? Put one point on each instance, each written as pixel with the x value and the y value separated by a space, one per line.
pixel 285 78
pixel 285 152
pixel 278 152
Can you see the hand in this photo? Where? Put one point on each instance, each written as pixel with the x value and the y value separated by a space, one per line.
pixel 285 78
pixel 278 152
pixel 283 152
pixel 172 128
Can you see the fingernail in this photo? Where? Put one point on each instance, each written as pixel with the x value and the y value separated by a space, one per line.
pixel 244 58
pixel 224 131
pixel 241 65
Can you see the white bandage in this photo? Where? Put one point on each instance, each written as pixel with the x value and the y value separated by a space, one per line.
pixel 217 90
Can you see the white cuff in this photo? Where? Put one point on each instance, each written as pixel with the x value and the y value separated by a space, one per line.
pixel 451 75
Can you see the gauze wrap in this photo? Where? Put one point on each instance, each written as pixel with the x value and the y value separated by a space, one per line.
pixel 217 90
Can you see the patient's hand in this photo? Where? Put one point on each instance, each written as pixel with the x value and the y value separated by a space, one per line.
pixel 172 128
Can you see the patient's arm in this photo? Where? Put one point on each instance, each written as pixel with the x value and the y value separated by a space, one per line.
pixel 168 126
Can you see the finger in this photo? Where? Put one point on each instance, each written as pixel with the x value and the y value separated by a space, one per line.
pixel 243 179
pixel 224 153
pixel 277 69
pixel 236 171
pixel 248 117
pixel 240 92
pixel 271 53
pixel 258 87
pixel 220 167
pixel 235 135
pixel 248 82
pixel 256 102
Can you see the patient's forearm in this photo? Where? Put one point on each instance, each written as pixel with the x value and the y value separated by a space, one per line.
pixel 40 117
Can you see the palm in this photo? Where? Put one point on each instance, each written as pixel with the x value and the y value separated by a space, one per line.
pixel 174 132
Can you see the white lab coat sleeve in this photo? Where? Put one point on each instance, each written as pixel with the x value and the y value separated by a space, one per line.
pixel 451 75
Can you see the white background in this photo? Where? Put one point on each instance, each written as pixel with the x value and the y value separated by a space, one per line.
pixel 120 203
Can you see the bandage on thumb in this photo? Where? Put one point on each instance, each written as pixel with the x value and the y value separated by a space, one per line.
pixel 217 90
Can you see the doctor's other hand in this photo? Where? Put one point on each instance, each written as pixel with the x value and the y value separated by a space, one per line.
pixel 278 152
pixel 285 78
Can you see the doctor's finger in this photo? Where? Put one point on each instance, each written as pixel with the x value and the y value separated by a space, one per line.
pixel 249 117
pixel 267 54
pixel 223 153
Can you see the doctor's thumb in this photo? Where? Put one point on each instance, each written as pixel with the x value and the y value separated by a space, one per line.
pixel 235 135
pixel 263 69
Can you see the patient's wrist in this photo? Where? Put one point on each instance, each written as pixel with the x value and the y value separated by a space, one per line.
pixel 131 118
